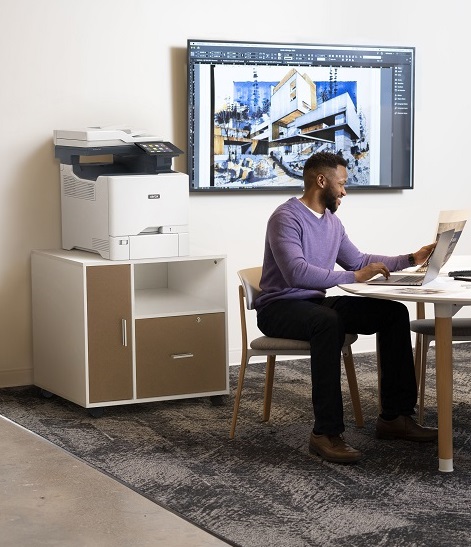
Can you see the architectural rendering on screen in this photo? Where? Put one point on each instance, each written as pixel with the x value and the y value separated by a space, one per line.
pixel 264 130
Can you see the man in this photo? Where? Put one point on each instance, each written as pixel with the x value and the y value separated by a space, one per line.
pixel 304 241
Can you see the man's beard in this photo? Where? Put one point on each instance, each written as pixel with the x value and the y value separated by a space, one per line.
pixel 330 200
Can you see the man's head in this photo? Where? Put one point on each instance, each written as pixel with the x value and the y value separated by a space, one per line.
pixel 325 175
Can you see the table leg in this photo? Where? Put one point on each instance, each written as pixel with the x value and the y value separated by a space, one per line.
pixel 444 373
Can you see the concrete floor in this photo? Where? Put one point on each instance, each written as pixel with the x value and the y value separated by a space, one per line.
pixel 49 497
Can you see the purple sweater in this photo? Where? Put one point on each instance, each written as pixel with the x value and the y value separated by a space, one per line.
pixel 301 251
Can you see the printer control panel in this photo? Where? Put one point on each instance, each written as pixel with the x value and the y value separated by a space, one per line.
pixel 158 147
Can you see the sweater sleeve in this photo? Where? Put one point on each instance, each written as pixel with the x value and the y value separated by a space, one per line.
pixel 351 258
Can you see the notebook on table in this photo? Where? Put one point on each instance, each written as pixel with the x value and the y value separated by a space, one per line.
pixel 434 263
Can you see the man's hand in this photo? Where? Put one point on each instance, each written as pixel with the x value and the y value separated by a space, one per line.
pixel 370 271
pixel 422 254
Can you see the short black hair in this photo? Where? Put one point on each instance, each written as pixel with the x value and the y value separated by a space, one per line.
pixel 324 159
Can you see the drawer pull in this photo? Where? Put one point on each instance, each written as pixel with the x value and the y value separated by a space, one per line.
pixel 124 332
pixel 182 355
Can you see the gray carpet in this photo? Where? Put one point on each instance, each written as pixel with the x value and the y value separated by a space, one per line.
pixel 262 488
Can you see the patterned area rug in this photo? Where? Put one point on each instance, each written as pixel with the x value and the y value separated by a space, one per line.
pixel 262 488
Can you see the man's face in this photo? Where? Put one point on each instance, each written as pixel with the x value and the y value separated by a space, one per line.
pixel 334 187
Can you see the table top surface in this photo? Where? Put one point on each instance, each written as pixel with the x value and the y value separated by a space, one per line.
pixel 444 289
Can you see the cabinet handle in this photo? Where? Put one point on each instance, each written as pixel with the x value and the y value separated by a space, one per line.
pixel 124 332
pixel 181 355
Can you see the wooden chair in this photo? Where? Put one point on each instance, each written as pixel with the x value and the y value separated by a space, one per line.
pixel 271 347
pixel 425 333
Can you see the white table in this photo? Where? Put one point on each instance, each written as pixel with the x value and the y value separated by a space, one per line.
pixel 448 296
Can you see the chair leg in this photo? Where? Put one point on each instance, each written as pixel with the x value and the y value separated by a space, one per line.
pixel 243 366
pixel 418 358
pixel 419 346
pixel 423 370
pixel 269 377
pixel 353 385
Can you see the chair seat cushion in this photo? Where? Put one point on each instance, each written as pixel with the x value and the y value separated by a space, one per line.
pixel 274 344
pixel 460 326
pixel 267 343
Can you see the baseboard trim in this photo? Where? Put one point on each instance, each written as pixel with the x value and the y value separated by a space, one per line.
pixel 15 378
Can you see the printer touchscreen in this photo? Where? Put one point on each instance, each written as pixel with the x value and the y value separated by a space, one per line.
pixel 158 147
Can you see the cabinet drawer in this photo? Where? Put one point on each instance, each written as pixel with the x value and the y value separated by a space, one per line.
pixel 180 355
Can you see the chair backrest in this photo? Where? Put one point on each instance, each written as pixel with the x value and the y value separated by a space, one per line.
pixel 250 281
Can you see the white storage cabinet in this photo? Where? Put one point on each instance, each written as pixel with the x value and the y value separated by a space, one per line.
pixel 120 332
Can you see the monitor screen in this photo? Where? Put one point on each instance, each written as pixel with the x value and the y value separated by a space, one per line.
pixel 257 111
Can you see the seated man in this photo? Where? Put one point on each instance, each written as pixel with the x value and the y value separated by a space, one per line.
pixel 304 241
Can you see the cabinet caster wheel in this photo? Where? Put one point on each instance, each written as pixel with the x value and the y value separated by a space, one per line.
pixel 96 412
pixel 46 394
pixel 218 400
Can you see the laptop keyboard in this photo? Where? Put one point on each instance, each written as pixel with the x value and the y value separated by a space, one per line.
pixel 410 279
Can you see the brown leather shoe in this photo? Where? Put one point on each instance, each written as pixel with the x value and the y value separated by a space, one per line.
pixel 333 449
pixel 404 427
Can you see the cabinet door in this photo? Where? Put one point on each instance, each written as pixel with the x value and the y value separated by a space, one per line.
pixel 180 355
pixel 109 333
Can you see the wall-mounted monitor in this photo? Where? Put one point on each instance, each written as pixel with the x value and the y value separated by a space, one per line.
pixel 257 111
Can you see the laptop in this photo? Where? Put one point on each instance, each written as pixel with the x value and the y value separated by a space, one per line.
pixel 435 262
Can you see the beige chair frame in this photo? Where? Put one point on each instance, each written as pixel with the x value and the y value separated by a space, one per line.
pixel 271 347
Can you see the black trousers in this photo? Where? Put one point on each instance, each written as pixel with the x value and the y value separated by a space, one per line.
pixel 324 323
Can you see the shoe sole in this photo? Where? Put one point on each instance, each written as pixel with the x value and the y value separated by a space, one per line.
pixel 386 437
pixel 313 453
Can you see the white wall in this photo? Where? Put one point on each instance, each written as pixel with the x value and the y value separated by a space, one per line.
pixel 98 62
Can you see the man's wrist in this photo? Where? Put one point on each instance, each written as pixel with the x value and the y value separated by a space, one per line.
pixel 411 259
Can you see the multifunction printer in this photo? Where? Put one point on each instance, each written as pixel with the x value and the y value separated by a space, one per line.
pixel 120 197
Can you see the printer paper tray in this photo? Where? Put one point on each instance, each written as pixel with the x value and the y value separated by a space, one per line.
pixel 149 246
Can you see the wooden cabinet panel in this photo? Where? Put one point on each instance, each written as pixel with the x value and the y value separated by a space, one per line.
pixel 109 330
pixel 180 355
